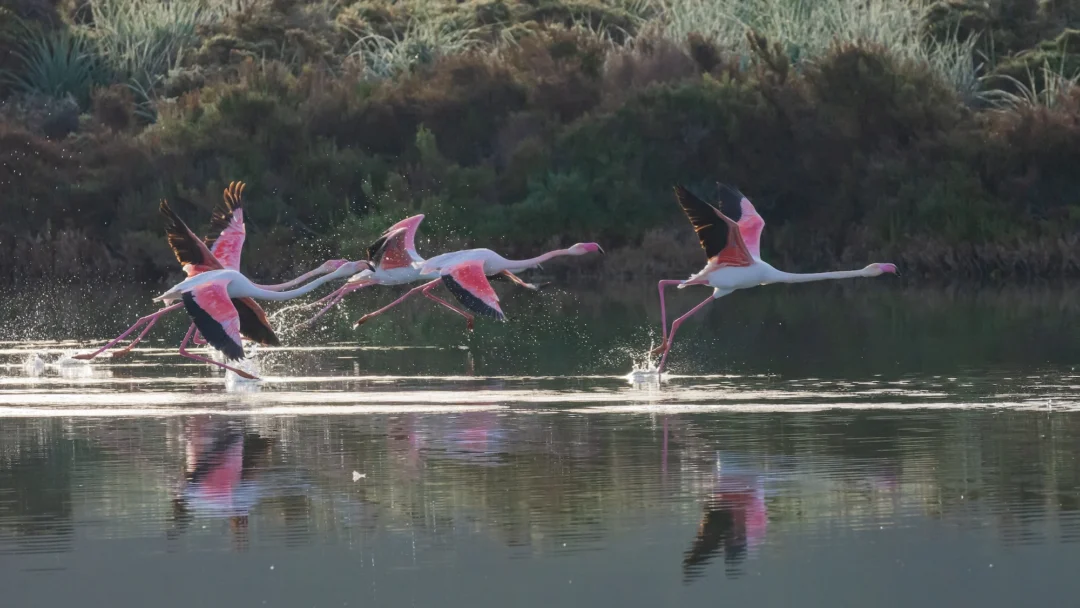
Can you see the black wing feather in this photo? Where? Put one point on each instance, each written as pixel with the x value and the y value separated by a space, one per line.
pixel 469 301
pixel 711 229
pixel 185 245
pixel 212 330
pixel 251 327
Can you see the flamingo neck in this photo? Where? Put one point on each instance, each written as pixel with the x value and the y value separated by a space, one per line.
pixel 529 263
pixel 298 280
pixel 254 291
pixel 791 277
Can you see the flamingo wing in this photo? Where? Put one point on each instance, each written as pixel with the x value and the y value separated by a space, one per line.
pixel 390 251
pixel 718 233
pixel 192 253
pixel 253 323
pixel 227 222
pixel 736 206
pixel 470 286
pixel 410 225
pixel 214 314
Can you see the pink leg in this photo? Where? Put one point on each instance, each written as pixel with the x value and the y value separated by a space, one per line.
pixel 412 292
pixel 663 313
pixel 197 339
pixel 127 349
pixel 148 318
pixel 336 297
pixel 183 352
pixel 675 327
pixel 468 318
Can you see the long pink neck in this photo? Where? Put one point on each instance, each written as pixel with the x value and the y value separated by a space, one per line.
pixel 540 259
pixel 789 277
pixel 289 284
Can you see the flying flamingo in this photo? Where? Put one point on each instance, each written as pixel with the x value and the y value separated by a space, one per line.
pixel 395 261
pixel 465 274
pixel 731 237
pixel 228 222
pixel 220 301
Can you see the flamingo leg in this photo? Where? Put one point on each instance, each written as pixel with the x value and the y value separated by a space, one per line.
pixel 197 339
pixel 334 298
pixel 663 314
pixel 513 277
pixel 127 349
pixel 412 292
pixel 427 294
pixel 185 353
pixel 152 318
pixel 675 327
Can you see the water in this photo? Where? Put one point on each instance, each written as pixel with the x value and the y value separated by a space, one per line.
pixel 813 447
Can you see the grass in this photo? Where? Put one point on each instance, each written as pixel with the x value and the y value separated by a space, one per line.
pixel 807 29
pixel 57 64
pixel 514 123
pixel 141 40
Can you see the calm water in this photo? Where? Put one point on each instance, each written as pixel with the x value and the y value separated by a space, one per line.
pixel 815 446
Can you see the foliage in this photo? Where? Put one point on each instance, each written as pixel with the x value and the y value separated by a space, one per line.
pixel 857 131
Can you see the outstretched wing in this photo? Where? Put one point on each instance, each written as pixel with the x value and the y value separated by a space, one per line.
pixel 396 247
pixel 470 286
pixel 736 206
pixel 389 251
pixel 189 250
pixel 253 323
pixel 718 233
pixel 213 313
pixel 226 236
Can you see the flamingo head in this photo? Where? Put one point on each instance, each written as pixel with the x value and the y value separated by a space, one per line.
pixel 878 269
pixel 331 265
pixel 583 248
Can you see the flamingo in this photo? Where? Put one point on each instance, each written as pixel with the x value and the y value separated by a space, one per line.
pixel 732 247
pixel 227 221
pixel 394 261
pixel 465 274
pixel 220 301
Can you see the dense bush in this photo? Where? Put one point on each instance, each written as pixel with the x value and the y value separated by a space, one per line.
pixel 523 125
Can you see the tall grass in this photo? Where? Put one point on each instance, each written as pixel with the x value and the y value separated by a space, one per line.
pixel 58 64
pixel 807 29
pixel 1055 88
pixel 142 39
pixel 424 40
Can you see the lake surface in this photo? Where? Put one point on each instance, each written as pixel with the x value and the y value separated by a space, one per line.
pixel 862 445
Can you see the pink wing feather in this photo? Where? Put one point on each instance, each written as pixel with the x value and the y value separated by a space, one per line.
pixel 214 315
pixel 750 226
pixel 470 286
pixel 229 220
pixel 410 224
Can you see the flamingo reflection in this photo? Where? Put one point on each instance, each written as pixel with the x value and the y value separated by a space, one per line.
pixel 734 522
pixel 220 469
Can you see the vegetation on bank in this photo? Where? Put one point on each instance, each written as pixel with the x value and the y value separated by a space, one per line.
pixel 943 137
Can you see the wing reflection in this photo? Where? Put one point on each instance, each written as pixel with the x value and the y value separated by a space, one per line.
pixel 222 464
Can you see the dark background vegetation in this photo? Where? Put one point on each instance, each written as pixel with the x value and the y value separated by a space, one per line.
pixel 527 125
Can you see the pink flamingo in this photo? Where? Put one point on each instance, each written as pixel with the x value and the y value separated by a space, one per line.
pixel 228 222
pixel 394 261
pixel 732 246
pixel 465 274
pixel 220 301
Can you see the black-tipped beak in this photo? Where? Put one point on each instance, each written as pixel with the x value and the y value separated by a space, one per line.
pixel 601 249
